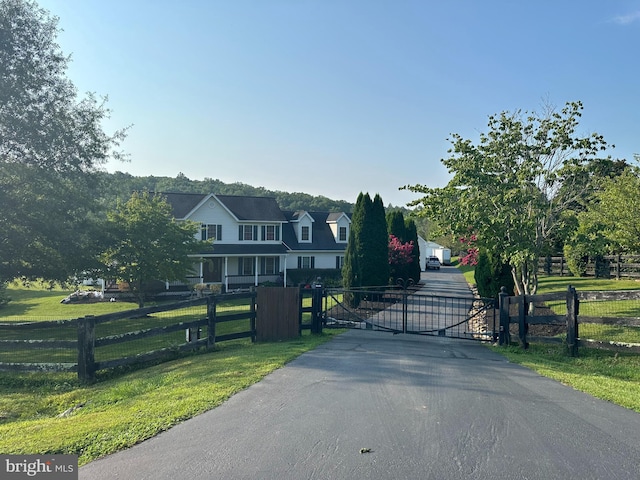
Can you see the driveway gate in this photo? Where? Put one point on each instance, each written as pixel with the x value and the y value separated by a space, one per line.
pixel 399 310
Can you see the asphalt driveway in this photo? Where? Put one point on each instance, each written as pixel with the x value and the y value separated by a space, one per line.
pixel 420 407
pixel 427 408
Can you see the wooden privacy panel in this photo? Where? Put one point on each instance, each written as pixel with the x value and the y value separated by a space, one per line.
pixel 277 315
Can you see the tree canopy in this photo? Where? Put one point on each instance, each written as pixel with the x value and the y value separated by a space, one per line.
pixel 51 144
pixel 505 188
pixel 147 244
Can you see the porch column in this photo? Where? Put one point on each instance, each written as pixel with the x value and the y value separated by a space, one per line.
pixel 226 274
pixel 255 270
pixel 285 269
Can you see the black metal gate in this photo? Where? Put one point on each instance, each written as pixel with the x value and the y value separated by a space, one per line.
pixel 411 311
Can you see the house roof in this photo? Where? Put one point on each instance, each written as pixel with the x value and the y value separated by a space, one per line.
pixel 264 209
pixel 322 236
pixel 335 216
pixel 183 203
pixel 244 208
pixel 248 250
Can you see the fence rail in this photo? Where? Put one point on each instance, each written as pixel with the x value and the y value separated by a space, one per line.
pixel 86 345
pixel 572 327
pixel 612 266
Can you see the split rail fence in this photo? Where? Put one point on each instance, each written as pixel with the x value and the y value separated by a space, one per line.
pixel 536 318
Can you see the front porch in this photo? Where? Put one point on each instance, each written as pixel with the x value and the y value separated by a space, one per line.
pixel 240 272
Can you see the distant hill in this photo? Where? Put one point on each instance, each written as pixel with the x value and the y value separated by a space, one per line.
pixel 120 185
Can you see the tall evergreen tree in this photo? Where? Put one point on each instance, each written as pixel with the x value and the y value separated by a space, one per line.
pixel 366 262
pixel 396 225
pixel 373 242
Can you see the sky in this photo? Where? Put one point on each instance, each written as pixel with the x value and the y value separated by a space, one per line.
pixel 338 97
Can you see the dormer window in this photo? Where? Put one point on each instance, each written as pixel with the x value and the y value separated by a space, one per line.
pixel 305 236
pixel 342 235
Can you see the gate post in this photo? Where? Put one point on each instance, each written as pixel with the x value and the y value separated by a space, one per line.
pixel 503 305
pixel 316 308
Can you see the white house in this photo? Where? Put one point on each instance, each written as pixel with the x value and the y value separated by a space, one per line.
pixel 254 241
pixel 432 249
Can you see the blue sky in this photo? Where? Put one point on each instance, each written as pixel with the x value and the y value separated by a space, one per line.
pixel 336 97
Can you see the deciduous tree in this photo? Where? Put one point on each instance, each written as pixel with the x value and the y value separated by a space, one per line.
pixel 505 188
pixel 51 143
pixel 148 244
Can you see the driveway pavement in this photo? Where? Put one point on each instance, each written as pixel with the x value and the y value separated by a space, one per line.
pixel 421 407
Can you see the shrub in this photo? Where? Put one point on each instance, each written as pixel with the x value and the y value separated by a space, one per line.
pixel 491 274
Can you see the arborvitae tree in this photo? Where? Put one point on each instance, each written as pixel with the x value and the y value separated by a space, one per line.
pixel 366 262
pixel 374 244
pixel 491 275
pixel 396 225
pixel 350 277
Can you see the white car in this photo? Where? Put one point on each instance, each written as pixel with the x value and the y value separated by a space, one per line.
pixel 433 262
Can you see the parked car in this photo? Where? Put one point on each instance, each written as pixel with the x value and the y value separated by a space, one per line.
pixel 433 262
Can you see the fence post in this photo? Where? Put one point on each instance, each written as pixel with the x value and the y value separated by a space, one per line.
pixel 572 321
pixel 252 321
pixel 503 306
pixel 212 302
pixel 86 349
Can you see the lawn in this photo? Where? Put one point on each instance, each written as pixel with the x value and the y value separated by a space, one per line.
pixel 130 404
pixel 123 409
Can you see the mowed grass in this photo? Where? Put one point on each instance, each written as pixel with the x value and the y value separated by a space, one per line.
pixel 37 302
pixel 610 376
pixel 127 408
pixel 128 405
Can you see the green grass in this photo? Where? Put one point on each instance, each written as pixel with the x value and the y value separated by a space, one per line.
pixel 548 284
pixel 467 270
pixel 39 303
pixel 127 408
pixel 43 304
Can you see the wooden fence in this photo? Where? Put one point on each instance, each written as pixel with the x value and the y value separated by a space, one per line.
pixel 611 266
pixel 86 342
pixel 564 328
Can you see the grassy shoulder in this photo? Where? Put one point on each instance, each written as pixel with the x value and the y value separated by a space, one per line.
pixel 610 376
pixel 126 409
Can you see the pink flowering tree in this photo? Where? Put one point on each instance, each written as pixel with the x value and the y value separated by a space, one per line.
pixel 400 256
pixel 471 257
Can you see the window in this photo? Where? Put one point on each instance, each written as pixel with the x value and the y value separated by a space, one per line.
pixel 271 232
pixel 305 234
pixel 342 236
pixel 211 232
pixel 270 265
pixel 306 262
pixel 245 265
pixel 339 261
pixel 247 232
